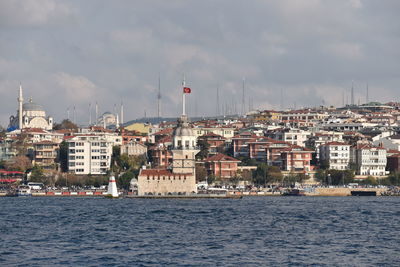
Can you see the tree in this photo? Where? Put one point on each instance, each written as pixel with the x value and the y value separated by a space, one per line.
pixel 63 156
pixel 65 125
pixel 335 177
pixel 19 163
pixel 370 181
pixel 201 173
pixel 211 179
pixel 324 164
pixel 124 180
pixel 265 174
pixel 204 149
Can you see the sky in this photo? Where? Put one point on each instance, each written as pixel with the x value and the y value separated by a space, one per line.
pixel 291 53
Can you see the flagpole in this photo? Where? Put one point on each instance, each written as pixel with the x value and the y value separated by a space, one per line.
pixel 183 96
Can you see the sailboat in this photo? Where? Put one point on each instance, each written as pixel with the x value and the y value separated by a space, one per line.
pixel 112 191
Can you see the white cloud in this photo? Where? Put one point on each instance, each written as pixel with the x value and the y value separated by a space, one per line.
pixel 32 12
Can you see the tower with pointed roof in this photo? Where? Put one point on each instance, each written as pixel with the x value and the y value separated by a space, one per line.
pixel 184 143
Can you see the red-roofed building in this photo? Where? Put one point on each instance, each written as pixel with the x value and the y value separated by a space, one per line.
pixel 217 143
pixel 221 166
pixel 296 158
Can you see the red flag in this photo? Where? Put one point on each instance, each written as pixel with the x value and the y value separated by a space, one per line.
pixel 186 90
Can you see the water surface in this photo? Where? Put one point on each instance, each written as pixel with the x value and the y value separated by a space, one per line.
pixel 253 231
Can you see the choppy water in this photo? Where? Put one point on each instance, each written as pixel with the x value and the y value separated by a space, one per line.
pixel 260 231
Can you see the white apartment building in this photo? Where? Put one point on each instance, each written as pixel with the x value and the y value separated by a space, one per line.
pixel 370 160
pixel 89 154
pixel 292 136
pixel 336 154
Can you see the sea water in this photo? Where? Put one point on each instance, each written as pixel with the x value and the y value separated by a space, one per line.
pixel 253 231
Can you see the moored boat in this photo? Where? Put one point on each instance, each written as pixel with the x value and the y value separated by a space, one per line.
pixel 293 192
pixel 24 191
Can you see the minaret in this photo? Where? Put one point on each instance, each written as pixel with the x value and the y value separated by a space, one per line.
pixel 20 102
pixel 367 97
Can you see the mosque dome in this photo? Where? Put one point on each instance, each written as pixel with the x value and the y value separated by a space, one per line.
pixel 31 106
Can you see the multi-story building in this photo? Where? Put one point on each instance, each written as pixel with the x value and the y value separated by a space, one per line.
pixel 7 149
pixel 296 137
pixel 89 154
pixel 45 154
pixel 369 160
pixel 296 158
pixel 217 143
pixel 335 154
pixel 221 166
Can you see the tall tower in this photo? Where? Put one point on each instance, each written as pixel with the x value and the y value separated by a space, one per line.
pixel 20 102
pixel 90 114
pixel 159 98
pixel 122 113
pixel 352 93
pixel 97 114
pixel 217 109
pixel 184 143
pixel 243 99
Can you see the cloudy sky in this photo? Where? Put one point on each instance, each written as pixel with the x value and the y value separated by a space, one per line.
pixel 68 53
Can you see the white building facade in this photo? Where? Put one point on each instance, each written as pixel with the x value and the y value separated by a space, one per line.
pixel 89 154
pixel 336 154
pixel 370 160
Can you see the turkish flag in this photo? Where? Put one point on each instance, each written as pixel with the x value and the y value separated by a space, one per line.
pixel 186 90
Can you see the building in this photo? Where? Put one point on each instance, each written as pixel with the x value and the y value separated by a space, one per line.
pixel 292 136
pixel 296 158
pixel 89 154
pixel 369 160
pixel 221 166
pixel 217 143
pixel 29 115
pixel 336 155
pixel 134 149
pixel 161 154
pixel 7 149
pixel 181 178
pixel 393 161
pixel 45 154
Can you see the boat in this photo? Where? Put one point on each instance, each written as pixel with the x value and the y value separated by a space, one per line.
pixel 363 193
pixel 112 191
pixel 293 192
pixel 24 191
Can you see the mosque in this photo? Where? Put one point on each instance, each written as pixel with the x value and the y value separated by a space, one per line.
pixel 29 115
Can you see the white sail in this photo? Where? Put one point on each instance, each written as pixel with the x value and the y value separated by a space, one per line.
pixel 112 187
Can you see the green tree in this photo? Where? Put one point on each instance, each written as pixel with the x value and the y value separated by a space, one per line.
pixel 63 156
pixel 204 149
pixel 65 125
pixel 201 173
pixel 211 179
pixel 124 180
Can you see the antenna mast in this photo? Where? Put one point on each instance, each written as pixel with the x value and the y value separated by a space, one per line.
pixel 159 97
